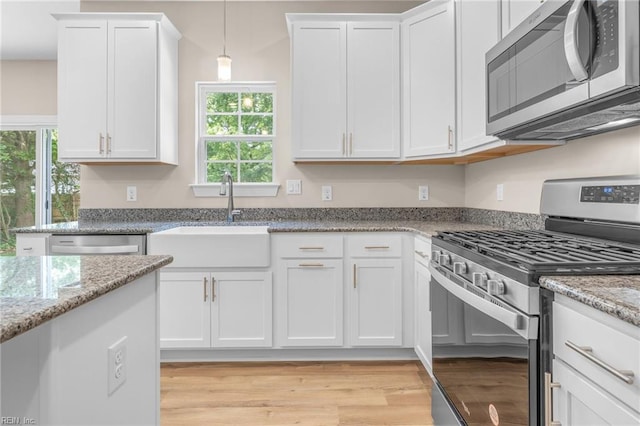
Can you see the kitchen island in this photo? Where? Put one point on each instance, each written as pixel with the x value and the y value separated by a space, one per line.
pixel 79 339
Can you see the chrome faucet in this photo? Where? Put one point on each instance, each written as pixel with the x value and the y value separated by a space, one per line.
pixel 227 179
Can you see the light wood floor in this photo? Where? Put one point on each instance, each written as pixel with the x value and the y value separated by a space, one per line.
pixel 295 393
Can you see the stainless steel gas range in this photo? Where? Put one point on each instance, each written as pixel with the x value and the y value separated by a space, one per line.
pixel 490 328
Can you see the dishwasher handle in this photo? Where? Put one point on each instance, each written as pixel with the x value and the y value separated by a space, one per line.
pixel 125 249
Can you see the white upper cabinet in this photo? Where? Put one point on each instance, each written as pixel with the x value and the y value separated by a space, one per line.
pixel 345 88
pixel 117 88
pixel 478 29
pixel 428 52
pixel 515 11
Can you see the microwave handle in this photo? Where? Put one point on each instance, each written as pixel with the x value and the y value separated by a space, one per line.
pixel 571 42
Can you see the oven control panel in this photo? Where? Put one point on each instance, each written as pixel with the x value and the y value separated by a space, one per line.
pixel 614 194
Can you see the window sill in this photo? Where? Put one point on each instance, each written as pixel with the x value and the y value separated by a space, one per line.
pixel 239 189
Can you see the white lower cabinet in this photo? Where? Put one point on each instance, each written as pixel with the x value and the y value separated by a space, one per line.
pixel 310 302
pixel 31 244
pixel 595 368
pixel 215 309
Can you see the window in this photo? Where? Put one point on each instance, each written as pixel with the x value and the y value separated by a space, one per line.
pixel 236 133
pixel 35 188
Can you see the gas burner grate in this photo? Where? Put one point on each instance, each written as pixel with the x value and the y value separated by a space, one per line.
pixel 548 250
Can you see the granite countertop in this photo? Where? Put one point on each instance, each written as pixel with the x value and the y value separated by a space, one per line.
pixel 424 227
pixel 35 289
pixel 617 295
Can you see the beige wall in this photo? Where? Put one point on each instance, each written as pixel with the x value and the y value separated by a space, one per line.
pixel 615 153
pixel 28 87
pixel 258 42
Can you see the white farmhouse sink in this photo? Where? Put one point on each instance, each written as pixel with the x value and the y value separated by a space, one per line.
pixel 213 246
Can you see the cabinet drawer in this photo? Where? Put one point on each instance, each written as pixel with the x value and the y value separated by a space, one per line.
pixel 308 245
pixel 422 250
pixel 31 245
pixel 618 350
pixel 375 245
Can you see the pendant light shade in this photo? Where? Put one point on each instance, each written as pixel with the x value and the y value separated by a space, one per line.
pixel 224 60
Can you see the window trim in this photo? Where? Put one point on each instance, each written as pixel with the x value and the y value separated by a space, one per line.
pixel 241 189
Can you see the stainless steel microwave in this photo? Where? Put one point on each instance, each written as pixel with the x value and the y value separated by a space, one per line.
pixel 570 70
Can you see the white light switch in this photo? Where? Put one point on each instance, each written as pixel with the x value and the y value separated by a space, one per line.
pixel 423 192
pixel 132 193
pixel 294 187
pixel 500 192
pixel 327 194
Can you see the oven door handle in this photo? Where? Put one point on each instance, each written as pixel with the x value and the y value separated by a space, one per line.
pixel 525 326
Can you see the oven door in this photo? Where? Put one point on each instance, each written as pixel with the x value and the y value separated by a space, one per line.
pixel 485 356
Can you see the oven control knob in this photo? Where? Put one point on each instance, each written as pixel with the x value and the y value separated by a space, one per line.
pixel 459 268
pixel 480 279
pixel 496 287
pixel 444 259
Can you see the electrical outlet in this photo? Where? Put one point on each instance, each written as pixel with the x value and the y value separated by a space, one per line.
pixel 294 187
pixel 500 192
pixel 117 365
pixel 132 193
pixel 423 192
pixel 327 194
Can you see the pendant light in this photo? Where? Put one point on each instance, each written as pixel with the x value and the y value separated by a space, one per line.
pixel 224 61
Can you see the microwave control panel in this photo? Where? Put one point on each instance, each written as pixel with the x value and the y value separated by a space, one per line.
pixel 614 194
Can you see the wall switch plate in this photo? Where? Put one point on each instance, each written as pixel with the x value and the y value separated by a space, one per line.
pixel 294 187
pixel 117 365
pixel 423 192
pixel 500 192
pixel 132 193
pixel 327 194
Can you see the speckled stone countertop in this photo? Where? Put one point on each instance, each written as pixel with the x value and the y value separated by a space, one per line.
pixel 616 295
pixel 35 289
pixel 426 228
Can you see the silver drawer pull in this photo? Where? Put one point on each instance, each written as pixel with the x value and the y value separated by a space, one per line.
pixel 311 248
pixel 586 351
pixel 376 247
pixel 422 254
pixel 311 265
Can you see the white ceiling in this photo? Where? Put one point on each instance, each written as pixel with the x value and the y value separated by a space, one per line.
pixel 27 29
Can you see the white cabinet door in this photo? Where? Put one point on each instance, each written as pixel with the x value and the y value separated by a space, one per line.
pixel 185 311
pixel 319 86
pixel 82 89
pixel 131 89
pixel 373 81
pixel 423 314
pixel 241 309
pixel 31 244
pixel 579 402
pixel 516 11
pixel 478 29
pixel 310 305
pixel 375 305
pixel 428 49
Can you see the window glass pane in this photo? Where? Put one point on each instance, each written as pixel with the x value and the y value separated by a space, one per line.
pixel 220 151
pixel 257 102
pixel 256 172
pixel 65 186
pixel 215 171
pixel 257 124
pixel 222 124
pixel 17 184
pixel 256 151
pixel 222 102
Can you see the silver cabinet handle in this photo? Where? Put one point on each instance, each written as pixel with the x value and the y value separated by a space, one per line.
pixel 450 137
pixel 350 144
pixel 101 144
pixel 311 265
pixel 586 351
pixel 422 254
pixel 355 273
pixel 204 286
pixel 311 248
pixel 376 247
pixel 213 289
pixel 571 43
pixel 344 144
pixel 108 144
pixel 548 396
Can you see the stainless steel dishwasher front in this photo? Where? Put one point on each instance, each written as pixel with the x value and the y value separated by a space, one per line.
pixel 97 244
